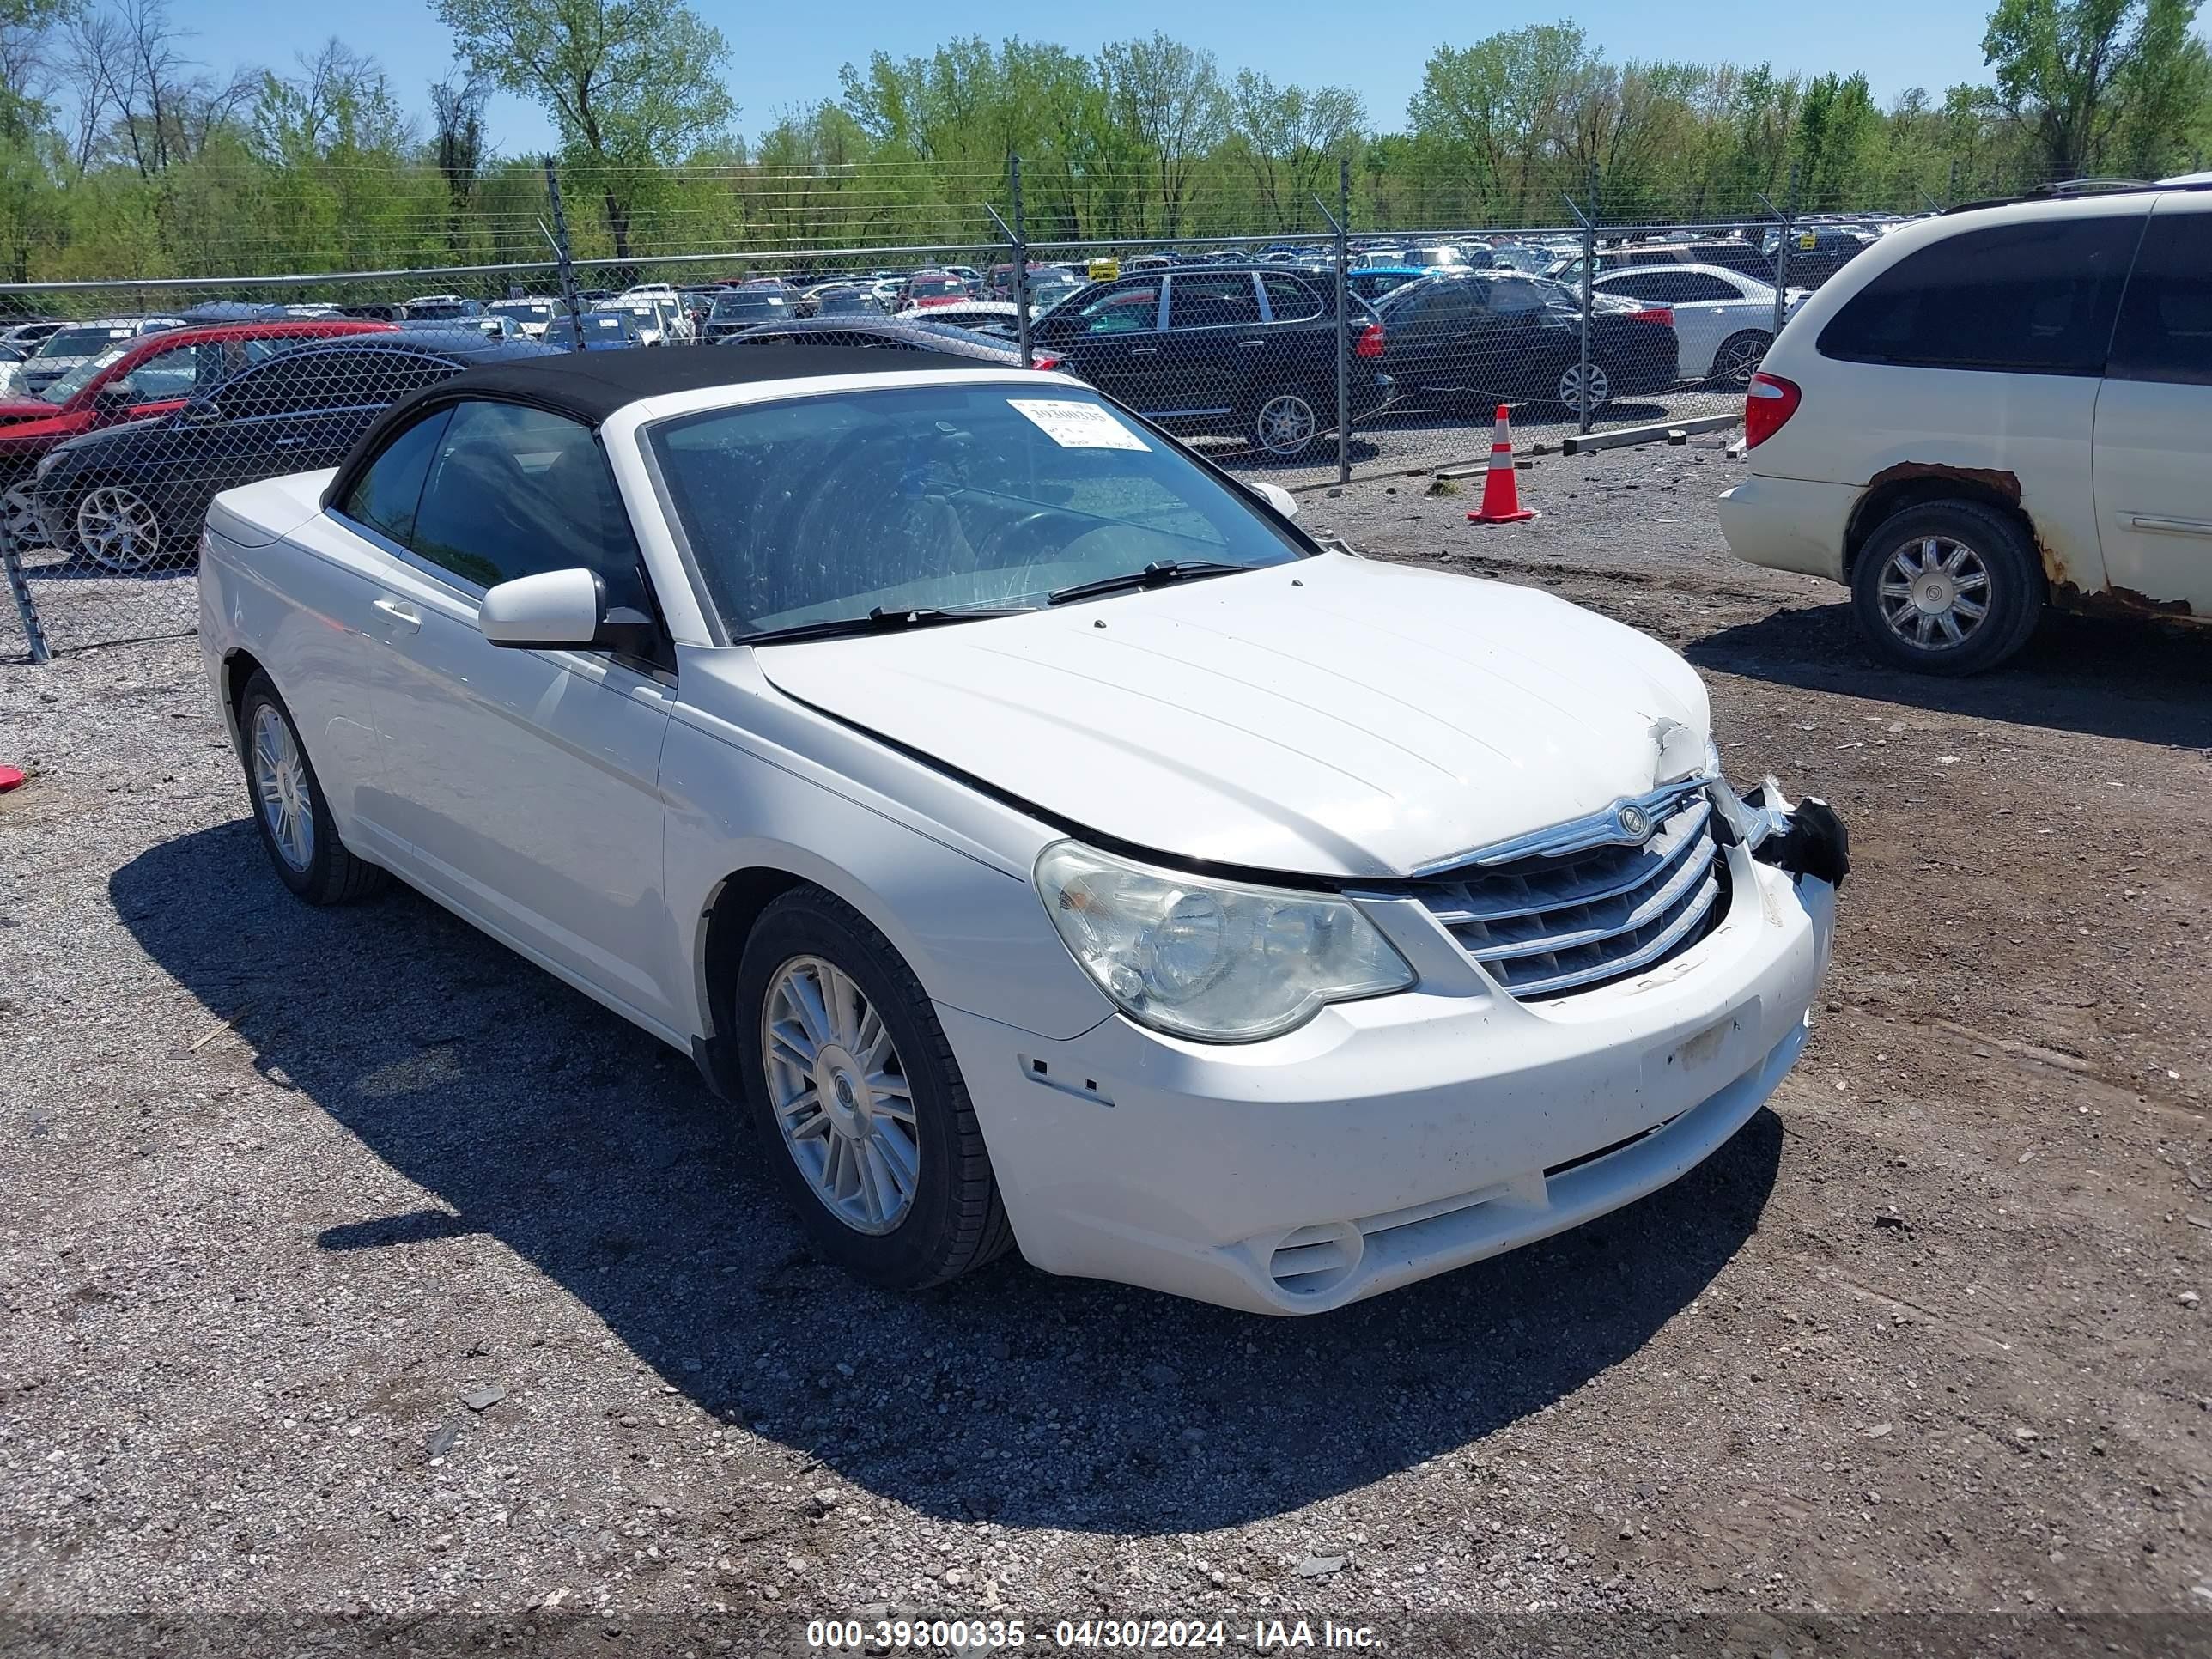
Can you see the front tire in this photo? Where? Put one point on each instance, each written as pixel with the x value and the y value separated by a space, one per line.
pixel 1948 587
pixel 118 529
pixel 857 1101
pixel 295 824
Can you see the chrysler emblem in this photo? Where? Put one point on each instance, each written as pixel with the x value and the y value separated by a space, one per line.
pixel 1635 821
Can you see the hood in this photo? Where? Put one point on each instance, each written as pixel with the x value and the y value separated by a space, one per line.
pixel 79 441
pixel 35 434
pixel 13 411
pixel 1335 717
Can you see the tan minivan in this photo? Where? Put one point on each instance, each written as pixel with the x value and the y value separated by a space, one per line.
pixel 1991 411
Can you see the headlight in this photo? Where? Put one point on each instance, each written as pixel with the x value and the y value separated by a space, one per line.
pixel 1217 961
pixel 46 463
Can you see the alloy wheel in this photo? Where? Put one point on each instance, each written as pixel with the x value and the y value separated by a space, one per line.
pixel 19 511
pixel 117 528
pixel 1934 592
pixel 1739 359
pixel 1586 391
pixel 1286 424
pixel 281 789
pixel 840 1095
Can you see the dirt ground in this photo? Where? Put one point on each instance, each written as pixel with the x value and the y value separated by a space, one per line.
pixel 351 1265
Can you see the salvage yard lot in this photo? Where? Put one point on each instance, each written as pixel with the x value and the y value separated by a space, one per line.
pixel 351 1263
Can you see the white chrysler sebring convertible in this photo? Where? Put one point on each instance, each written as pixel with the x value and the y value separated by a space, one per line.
pixel 1050 843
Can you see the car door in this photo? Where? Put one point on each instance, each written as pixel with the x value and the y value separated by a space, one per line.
pixel 526 784
pixel 1430 332
pixel 2153 426
pixel 1113 341
pixel 1214 348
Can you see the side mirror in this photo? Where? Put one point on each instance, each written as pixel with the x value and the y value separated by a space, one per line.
pixel 1277 498
pixel 563 609
pixel 206 412
pixel 113 398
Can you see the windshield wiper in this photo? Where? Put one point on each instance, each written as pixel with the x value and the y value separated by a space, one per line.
pixel 877 621
pixel 1158 574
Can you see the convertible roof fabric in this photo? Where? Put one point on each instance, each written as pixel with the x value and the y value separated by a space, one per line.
pixel 589 386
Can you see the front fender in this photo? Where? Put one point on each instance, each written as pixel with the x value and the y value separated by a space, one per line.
pixel 972 929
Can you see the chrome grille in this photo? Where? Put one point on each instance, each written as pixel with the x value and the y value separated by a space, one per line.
pixel 1594 904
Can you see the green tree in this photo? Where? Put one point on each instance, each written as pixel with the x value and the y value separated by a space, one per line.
pixel 1167 99
pixel 631 85
pixel 2066 68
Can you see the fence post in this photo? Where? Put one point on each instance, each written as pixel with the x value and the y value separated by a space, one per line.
pixel 1590 275
pixel 1343 320
pixel 1020 239
pixel 1782 241
pixel 34 631
pixel 559 237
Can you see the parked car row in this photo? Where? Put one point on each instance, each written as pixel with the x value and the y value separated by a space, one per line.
pixel 119 467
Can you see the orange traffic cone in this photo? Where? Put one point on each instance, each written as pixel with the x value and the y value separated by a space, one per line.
pixel 1501 491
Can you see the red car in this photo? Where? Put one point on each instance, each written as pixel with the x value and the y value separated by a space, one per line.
pixel 926 289
pixel 152 375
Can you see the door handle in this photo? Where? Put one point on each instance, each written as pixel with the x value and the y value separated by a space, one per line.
pixel 1247 346
pixel 406 616
pixel 1144 351
pixel 286 443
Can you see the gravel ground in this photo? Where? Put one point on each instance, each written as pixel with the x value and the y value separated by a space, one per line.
pixel 352 1266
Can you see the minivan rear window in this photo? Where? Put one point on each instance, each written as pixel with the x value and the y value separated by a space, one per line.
pixel 2034 298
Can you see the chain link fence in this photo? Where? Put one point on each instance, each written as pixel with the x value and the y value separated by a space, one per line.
pixel 1320 351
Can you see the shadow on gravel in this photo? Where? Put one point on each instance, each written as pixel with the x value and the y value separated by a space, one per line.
pixel 2145 682
pixel 596 1156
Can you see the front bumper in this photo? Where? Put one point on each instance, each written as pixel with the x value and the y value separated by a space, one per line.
pixel 1391 1139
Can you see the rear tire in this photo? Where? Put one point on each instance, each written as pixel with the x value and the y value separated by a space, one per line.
pixel 287 797
pixel 1284 424
pixel 865 1121
pixel 1738 358
pixel 1571 389
pixel 1946 587
pixel 19 511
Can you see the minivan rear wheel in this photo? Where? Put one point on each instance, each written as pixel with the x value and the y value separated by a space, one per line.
pixel 1946 587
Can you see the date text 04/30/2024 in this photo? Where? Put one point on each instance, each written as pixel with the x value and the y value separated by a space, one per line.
pixel 976 1635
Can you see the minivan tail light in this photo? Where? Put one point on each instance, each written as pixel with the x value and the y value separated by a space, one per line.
pixel 1370 342
pixel 1044 360
pixel 1767 404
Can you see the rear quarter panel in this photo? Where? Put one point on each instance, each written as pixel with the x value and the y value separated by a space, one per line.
pixel 1864 425
pixel 264 592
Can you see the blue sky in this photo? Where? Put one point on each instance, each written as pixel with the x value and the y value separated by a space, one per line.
pixel 785 54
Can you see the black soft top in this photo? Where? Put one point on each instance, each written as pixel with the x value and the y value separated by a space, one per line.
pixel 589 386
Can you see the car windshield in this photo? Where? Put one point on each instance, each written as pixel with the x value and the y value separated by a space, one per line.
pixel 61 390
pixel 828 507
pixel 931 288
pixel 524 310
pixel 598 326
pixel 82 341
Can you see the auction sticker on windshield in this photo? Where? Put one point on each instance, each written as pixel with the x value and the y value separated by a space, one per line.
pixel 1077 425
